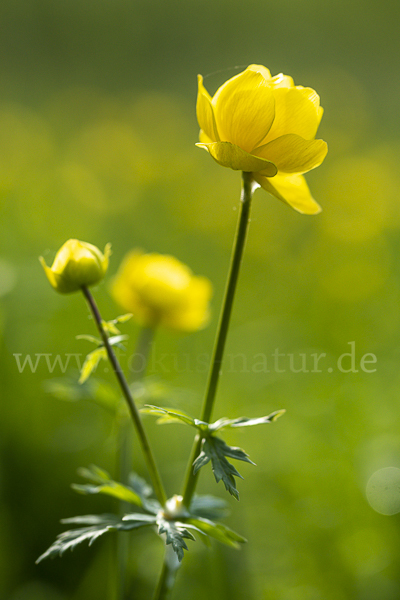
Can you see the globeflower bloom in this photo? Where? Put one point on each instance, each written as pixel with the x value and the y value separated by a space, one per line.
pixel 76 265
pixel 267 126
pixel 160 290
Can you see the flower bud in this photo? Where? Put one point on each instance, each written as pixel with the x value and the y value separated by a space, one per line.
pixel 76 265
pixel 160 290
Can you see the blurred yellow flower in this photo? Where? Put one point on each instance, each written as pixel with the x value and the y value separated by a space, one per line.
pixel 160 290
pixel 264 125
pixel 76 264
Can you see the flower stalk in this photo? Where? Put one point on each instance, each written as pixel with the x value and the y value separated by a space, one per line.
pixel 144 442
pixel 248 187
pixel 168 575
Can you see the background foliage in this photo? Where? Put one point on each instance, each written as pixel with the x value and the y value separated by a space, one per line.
pixel 97 132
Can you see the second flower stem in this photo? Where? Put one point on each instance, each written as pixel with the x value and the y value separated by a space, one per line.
pixel 223 326
pixel 144 442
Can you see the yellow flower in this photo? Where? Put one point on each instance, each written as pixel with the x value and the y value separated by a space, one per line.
pixel 160 290
pixel 76 264
pixel 264 125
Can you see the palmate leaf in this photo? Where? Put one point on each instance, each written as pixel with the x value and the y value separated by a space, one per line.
pixel 176 416
pixel 175 534
pixel 220 532
pixel 179 528
pixel 101 483
pixel 94 390
pixel 144 491
pixel 244 421
pixel 216 450
pixel 93 358
pixel 111 326
pixel 91 362
pixel 96 526
pixel 169 416
pixel 89 338
pixel 208 507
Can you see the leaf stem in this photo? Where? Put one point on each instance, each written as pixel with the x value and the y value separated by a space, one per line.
pixel 248 187
pixel 148 454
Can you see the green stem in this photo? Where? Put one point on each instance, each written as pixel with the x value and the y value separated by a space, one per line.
pixel 223 326
pixel 147 452
pixel 139 365
pixel 167 576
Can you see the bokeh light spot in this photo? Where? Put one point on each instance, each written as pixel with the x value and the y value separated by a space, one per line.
pixel 383 491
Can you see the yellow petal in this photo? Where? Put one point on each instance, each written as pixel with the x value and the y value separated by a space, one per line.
pixel 205 113
pixel 281 81
pixel 204 139
pixel 291 189
pixel 293 154
pixel 244 109
pixel 161 291
pixel 229 155
pixel 260 69
pixel 297 110
pixel 194 314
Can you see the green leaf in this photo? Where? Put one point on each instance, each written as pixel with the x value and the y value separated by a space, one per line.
pixel 91 362
pixel 94 390
pixel 123 318
pixel 175 416
pixel 140 485
pixel 208 507
pixel 97 525
pixel 220 532
pixel 244 421
pixel 175 533
pixel 90 338
pixel 116 490
pixel 202 425
pixel 117 339
pixel 134 519
pixel 110 326
pixel 215 450
pixel 168 416
pixel 94 474
pixel 127 522
pixel 144 491
pixel 105 485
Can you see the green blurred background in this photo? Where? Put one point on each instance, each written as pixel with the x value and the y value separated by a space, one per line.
pixel 97 133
